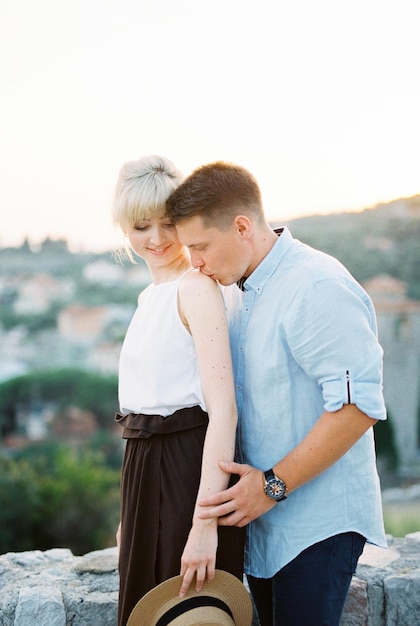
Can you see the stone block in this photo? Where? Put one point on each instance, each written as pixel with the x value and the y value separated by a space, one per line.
pixel 402 599
pixel 42 606
pixel 94 608
pixel 356 609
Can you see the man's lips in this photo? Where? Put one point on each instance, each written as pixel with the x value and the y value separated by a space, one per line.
pixel 209 275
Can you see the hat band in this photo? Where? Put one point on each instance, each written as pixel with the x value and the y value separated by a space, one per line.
pixel 192 603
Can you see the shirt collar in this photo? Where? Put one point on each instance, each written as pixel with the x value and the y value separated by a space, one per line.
pixel 269 264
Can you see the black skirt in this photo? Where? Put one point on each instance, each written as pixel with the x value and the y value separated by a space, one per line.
pixel 159 484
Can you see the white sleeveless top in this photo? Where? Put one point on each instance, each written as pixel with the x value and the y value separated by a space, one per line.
pixel 158 372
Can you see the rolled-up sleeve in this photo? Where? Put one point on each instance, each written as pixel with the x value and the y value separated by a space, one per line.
pixel 366 395
pixel 333 338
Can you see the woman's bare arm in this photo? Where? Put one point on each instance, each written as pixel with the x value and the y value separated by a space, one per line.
pixel 202 310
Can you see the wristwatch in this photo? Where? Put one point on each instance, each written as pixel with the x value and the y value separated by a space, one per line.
pixel 274 487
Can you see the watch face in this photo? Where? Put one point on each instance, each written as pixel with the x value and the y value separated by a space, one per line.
pixel 275 489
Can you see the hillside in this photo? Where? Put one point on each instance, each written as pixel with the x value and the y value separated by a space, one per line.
pixel 378 240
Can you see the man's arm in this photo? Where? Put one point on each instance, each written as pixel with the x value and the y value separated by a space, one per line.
pixel 331 437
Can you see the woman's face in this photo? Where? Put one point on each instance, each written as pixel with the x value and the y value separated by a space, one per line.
pixel 155 240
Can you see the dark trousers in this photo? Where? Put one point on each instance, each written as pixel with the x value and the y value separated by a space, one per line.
pixel 310 590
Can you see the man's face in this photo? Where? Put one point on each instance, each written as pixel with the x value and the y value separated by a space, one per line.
pixel 221 254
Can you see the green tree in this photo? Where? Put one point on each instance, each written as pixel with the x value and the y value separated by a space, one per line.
pixel 63 388
pixel 385 442
pixel 19 497
pixel 55 496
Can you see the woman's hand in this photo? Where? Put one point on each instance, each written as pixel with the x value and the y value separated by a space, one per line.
pixel 199 557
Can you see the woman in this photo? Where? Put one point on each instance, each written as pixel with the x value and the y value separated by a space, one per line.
pixel 177 402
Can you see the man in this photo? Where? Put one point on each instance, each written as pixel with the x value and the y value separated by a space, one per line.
pixel 308 374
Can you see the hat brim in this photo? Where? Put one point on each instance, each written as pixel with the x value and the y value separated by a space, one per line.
pixel 224 587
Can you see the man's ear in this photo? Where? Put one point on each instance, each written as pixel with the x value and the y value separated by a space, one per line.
pixel 243 225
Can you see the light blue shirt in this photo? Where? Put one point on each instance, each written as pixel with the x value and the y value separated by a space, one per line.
pixel 304 341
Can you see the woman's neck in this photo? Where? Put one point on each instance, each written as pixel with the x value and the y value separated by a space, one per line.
pixel 167 273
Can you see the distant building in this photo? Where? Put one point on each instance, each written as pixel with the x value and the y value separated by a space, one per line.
pixel 399 335
pixel 99 330
pixel 103 272
pixel 104 357
pixel 111 273
pixel 79 323
pixel 35 294
pixel 15 351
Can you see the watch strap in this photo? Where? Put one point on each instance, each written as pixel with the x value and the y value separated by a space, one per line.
pixel 271 477
pixel 269 474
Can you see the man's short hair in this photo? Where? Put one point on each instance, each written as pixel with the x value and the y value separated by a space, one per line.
pixel 216 192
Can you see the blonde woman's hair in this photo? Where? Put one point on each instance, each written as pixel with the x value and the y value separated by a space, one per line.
pixel 142 189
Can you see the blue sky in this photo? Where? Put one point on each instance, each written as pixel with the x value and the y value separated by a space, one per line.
pixel 320 100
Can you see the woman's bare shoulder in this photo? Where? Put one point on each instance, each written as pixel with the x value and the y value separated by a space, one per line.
pixel 194 279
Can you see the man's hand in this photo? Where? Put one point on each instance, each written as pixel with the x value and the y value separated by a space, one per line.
pixel 240 504
pixel 328 440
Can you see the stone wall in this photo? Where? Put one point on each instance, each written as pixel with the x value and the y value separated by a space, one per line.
pixel 56 588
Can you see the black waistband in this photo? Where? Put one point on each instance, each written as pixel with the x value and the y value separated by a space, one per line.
pixel 140 425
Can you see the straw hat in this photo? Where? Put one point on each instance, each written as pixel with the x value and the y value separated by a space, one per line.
pixel 224 601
